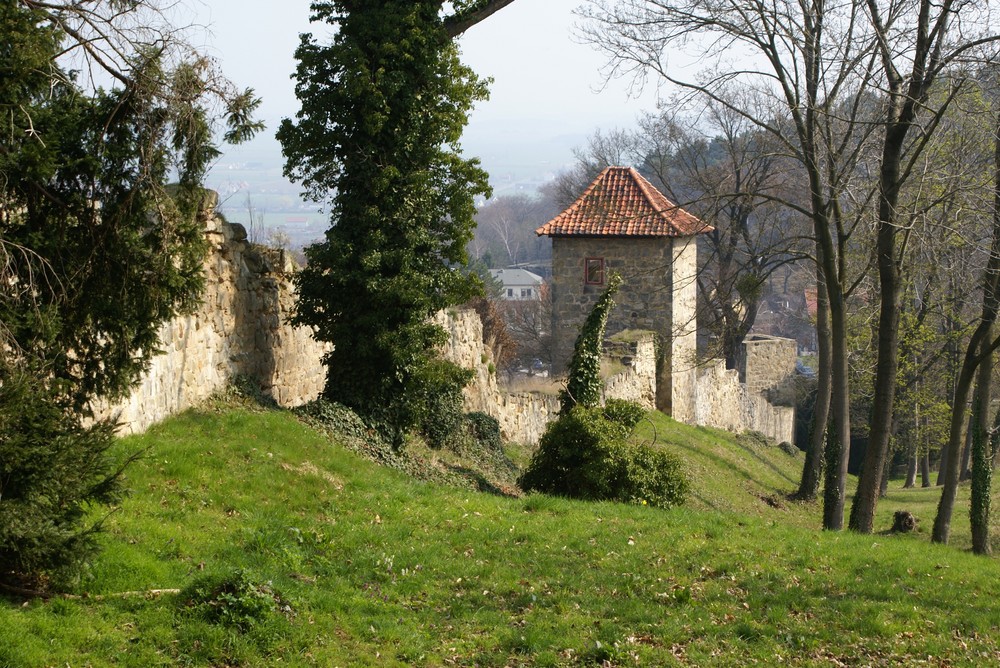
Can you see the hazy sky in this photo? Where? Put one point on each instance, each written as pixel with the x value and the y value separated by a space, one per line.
pixel 540 73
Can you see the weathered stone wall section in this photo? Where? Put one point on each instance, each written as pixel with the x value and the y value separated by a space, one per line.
pixel 523 415
pixel 240 328
pixel 638 381
pixel 722 401
pixel 718 398
pixel 768 361
pixel 681 367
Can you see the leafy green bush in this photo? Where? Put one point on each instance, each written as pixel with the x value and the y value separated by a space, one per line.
pixel 485 430
pixel 234 600
pixel 51 470
pixel 626 413
pixel 435 401
pixel 584 455
pixel 481 449
pixel 654 477
pixel 336 417
pixel 352 431
pixel 754 440
pixel 789 449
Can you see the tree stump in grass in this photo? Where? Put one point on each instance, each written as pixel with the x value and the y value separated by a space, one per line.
pixel 903 522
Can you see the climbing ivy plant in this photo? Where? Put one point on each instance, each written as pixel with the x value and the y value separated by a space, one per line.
pixel 584 385
pixel 383 106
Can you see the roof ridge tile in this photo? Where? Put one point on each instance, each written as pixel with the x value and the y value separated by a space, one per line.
pixel 621 202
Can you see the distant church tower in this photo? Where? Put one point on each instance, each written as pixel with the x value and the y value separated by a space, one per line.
pixel 622 224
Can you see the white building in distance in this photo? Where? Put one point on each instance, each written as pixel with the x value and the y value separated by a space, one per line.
pixel 518 284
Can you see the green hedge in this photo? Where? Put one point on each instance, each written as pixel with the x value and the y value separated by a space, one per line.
pixel 584 455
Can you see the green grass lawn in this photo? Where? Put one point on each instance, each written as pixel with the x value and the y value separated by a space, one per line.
pixel 361 565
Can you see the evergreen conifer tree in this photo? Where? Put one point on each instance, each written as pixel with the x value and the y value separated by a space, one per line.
pixel 96 252
pixel 383 106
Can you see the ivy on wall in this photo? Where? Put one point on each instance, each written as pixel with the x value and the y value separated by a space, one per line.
pixel 584 385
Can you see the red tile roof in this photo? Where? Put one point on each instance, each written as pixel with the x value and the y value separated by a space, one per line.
pixel 621 203
pixel 812 301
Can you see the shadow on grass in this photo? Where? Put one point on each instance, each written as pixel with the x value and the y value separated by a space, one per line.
pixel 481 482
pixel 766 462
pixel 727 464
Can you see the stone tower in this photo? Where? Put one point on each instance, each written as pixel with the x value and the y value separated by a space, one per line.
pixel 622 224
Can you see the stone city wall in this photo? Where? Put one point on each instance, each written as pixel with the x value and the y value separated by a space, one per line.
pixel 240 328
pixel 637 382
pixel 722 401
pixel 767 362
pixel 523 416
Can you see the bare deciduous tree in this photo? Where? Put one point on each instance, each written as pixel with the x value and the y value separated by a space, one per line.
pixel 794 73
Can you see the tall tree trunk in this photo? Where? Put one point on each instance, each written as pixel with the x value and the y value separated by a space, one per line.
pixel 942 465
pixel 951 465
pixel 965 472
pixel 887 361
pixel 982 455
pixel 838 444
pixel 925 469
pixel 954 361
pixel 813 467
pixel 982 469
pixel 911 468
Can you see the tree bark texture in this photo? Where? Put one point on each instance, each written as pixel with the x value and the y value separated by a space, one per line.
pixel 838 445
pixel 911 469
pixel 887 362
pixel 982 447
pixel 813 467
pixel 982 469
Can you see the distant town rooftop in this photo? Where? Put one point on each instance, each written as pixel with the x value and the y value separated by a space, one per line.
pixel 621 203
pixel 515 276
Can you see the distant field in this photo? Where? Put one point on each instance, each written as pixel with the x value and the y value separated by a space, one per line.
pixel 341 562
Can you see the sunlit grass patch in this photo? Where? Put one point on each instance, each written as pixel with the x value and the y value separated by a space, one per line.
pixel 376 568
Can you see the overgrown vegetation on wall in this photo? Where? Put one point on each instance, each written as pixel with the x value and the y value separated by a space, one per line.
pixel 584 384
pixel 96 251
pixel 382 111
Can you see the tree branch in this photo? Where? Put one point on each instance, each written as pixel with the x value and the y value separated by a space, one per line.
pixel 463 20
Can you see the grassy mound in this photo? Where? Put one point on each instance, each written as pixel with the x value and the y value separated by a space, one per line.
pixel 266 544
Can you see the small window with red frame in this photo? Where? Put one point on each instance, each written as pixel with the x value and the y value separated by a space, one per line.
pixel 594 271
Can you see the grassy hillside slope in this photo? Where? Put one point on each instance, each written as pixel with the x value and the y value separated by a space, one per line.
pixel 352 564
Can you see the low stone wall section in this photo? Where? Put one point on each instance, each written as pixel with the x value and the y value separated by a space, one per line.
pixel 240 329
pixel 767 362
pixel 522 415
pixel 638 381
pixel 722 401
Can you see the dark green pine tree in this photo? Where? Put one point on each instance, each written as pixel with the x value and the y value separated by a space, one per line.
pixel 383 105
pixel 96 252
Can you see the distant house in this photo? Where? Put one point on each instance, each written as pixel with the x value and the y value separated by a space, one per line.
pixel 518 284
pixel 622 224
